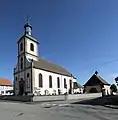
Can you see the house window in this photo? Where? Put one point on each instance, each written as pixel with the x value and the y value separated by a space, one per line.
pixel 40 80
pixel 31 47
pixel 58 82
pixel 50 81
pixel 27 75
pixel 28 80
pixel 21 46
pixel 65 83
pixel 21 63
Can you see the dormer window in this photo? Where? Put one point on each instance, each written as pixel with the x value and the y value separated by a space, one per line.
pixel 31 47
pixel 21 46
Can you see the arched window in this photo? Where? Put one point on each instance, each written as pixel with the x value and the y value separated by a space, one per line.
pixel 16 78
pixel 70 84
pixel 31 47
pixel 27 75
pixel 21 63
pixel 40 80
pixel 28 80
pixel 65 86
pixel 21 46
pixel 50 81
pixel 58 82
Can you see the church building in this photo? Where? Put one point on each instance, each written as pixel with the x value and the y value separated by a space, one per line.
pixel 34 75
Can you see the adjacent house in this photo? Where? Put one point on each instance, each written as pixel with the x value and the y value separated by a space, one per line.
pixel 34 75
pixel 96 84
pixel 78 88
pixel 6 87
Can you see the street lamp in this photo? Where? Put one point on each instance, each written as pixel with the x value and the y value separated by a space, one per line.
pixel 116 79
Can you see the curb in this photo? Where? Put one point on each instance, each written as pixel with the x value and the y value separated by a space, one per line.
pixel 111 106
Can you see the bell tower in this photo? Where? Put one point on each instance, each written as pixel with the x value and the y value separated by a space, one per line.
pixel 27 50
pixel 27 44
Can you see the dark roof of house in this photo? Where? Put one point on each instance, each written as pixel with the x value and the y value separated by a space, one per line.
pixel 77 85
pixel 51 67
pixel 95 80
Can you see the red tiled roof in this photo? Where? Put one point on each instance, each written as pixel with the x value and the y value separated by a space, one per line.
pixel 4 81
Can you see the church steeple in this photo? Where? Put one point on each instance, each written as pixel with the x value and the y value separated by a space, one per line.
pixel 28 28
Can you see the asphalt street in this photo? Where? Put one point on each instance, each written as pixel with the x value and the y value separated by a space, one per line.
pixel 55 111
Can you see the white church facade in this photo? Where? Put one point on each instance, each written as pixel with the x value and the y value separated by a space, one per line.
pixel 34 75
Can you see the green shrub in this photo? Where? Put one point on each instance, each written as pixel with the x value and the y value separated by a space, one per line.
pixel 113 88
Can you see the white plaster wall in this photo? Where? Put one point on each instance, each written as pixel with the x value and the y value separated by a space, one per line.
pixel 45 75
pixel 31 57
pixel 80 90
pixel 27 47
pixel 107 89
pixel 74 80
pixel 4 89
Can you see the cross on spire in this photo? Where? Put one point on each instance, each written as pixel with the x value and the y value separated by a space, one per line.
pixel 28 19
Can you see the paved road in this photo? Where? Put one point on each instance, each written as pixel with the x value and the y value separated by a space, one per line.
pixel 53 111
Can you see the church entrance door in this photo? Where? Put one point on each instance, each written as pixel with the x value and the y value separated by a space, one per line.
pixel 21 87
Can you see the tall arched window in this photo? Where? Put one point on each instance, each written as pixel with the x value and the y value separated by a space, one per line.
pixel 16 78
pixel 50 81
pixel 31 47
pixel 28 80
pixel 70 84
pixel 21 63
pixel 40 80
pixel 21 46
pixel 58 82
pixel 65 86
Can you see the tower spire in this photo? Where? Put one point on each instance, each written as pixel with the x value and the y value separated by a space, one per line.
pixel 28 27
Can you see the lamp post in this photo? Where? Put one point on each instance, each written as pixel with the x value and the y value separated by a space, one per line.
pixel 116 80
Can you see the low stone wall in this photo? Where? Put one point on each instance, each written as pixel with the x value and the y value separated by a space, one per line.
pixel 51 98
pixel 82 96
pixel 17 98
pixel 48 98
pixel 63 97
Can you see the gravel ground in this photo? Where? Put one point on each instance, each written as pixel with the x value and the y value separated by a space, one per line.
pixel 55 111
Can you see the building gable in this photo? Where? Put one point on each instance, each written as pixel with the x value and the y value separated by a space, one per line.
pixel 96 80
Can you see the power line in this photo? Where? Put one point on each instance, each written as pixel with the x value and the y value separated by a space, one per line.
pixel 105 63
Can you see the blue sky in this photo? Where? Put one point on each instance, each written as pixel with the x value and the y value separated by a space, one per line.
pixel 81 35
